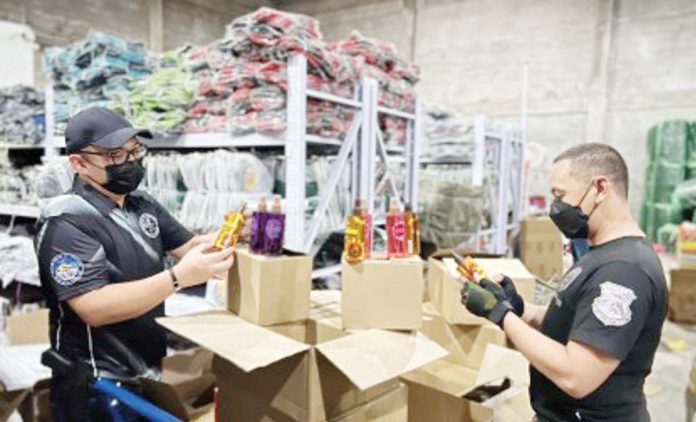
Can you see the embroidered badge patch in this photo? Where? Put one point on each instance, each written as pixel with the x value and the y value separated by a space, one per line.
pixel 66 269
pixel 613 305
pixel 149 225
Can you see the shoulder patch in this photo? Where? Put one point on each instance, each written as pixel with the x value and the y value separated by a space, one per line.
pixel 66 269
pixel 613 305
pixel 149 225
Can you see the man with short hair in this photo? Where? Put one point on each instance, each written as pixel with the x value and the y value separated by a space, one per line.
pixel 101 249
pixel 597 339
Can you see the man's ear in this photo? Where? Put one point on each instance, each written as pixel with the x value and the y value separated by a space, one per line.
pixel 77 163
pixel 603 186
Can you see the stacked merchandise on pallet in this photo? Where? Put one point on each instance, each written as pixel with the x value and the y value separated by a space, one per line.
pixel 668 191
pixel 21 115
pixel 161 101
pixel 396 78
pixel 98 71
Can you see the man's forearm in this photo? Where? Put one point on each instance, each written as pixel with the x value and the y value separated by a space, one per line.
pixel 118 302
pixel 534 314
pixel 546 355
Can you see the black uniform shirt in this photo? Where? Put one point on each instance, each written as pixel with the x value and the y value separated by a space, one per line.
pixel 86 242
pixel 614 300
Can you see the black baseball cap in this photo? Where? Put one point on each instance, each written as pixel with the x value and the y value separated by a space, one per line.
pixel 99 126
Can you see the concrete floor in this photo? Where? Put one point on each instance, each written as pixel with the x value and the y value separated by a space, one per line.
pixel 667 384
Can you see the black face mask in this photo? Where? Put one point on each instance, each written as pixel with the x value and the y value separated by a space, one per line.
pixel 571 220
pixel 124 178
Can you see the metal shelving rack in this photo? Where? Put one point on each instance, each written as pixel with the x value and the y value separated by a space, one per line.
pixel 362 145
pixel 498 166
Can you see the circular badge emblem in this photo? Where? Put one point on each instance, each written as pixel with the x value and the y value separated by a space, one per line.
pixel 149 225
pixel 66 269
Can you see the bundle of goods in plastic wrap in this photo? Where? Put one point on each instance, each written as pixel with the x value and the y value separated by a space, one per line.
pixel 447 136
pixel 672 160
pixel 98 71
pixel 21 115
pixel 161 101
pixel 163 181
pixel 217 182
pixel 18 260
pixel 242 79
pixel 450 212
pixel 396 78
pixel 54 177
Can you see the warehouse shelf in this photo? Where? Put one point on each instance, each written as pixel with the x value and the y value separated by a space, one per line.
pixel 18 210
pixel 396 113
pixel 319 95
pixel 8 145
pixel 445 162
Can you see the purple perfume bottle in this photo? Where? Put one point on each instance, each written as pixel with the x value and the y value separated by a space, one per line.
pixel 258 225
pixel 275 229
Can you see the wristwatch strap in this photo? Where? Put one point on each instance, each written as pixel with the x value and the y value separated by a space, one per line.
pixel 175 281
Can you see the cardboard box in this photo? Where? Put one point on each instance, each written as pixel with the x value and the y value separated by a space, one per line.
pixel 682 296
pixel 444 286
pixel 186 387
pixel 442 391
pixel 270 290
pixel 25 332
pixel 305 371
pixel 385 294
pixel 541 247
pixel 391 407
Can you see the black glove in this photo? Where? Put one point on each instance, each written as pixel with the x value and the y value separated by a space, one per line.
pixel 486 300
pixel 511 294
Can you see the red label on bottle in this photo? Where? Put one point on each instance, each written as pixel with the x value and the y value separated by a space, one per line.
pixel 399 230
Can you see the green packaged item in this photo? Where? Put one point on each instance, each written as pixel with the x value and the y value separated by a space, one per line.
pixel 667 237
pixel 662 177
pixel 668 141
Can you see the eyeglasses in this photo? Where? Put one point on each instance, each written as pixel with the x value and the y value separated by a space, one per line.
pixel 120 156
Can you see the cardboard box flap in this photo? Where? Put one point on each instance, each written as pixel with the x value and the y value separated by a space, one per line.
pixel 372 357
pixel 501 362
pixel 246 345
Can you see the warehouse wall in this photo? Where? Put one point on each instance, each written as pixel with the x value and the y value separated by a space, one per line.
pixel 598 69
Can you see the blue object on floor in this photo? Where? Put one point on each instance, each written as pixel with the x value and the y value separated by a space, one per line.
pixel 132 401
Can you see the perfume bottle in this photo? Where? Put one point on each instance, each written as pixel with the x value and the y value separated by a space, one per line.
pixel 396 231
pixel 412 230
pixel 231 230
pixel 354 244
pixel 274 229
pixel 368 228
pixel 469 269
pixel 258 225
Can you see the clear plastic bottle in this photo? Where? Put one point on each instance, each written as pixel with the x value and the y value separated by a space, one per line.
pixel 274 230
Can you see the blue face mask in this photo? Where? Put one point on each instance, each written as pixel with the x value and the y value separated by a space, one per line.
pixel 571 220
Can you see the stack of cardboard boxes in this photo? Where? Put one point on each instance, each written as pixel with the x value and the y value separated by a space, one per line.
pixel 541 248
pixel 682 293
pixel 273 361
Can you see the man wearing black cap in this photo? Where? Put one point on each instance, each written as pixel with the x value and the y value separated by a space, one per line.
pixel 101 248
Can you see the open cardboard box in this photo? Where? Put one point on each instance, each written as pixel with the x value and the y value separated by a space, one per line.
pixel 25 332
pixel 384 294
pixel 541 247
pixel 305 371
pixel 478 357
pixel 269 290
pixel 186 387
pixel 444 285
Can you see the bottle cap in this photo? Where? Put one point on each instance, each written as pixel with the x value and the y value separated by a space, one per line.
pixel 277 207
pixel 394 205
pixel 408 207
pixel 263 205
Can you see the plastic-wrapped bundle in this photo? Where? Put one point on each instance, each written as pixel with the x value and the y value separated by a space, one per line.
pixel 163 181
pixel 18 260
pixel 662 178
pixel 161 101
pixel 98 71
pixel 451 212
pixel 667 236
pixel 21 115
pixel 657 215
pixel 668 141
pixel 447 135
pixel 54 177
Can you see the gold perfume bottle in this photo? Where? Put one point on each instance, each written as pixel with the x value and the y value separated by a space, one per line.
pixel 469 269
pixel 231 230
pixel 355 236
pixel 412 230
